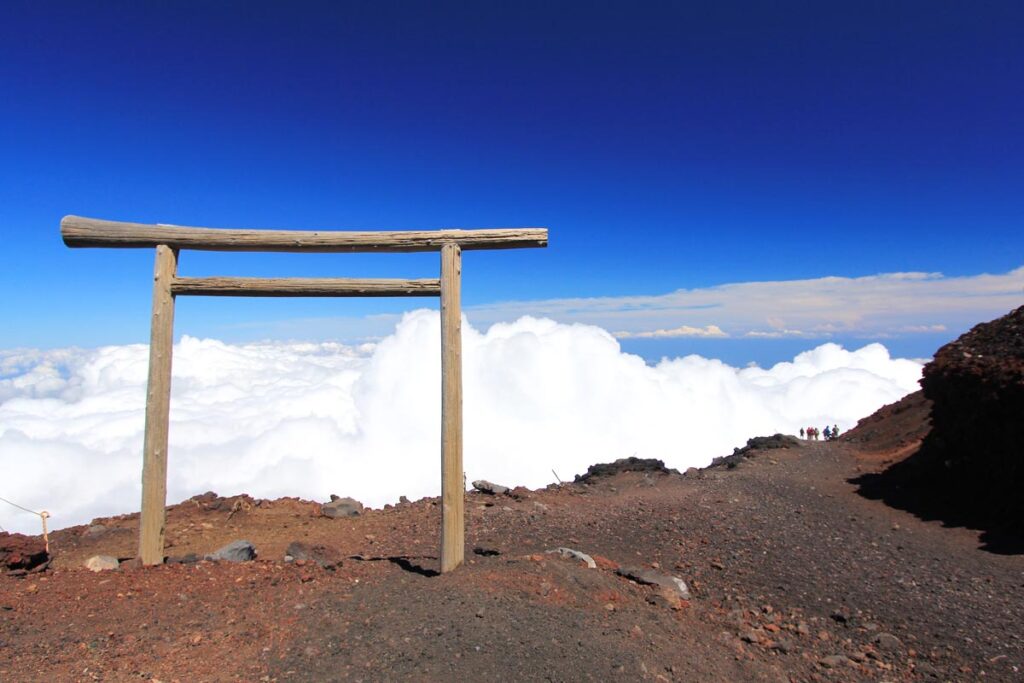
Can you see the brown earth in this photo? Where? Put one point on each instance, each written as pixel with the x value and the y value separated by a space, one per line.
pixel 794 576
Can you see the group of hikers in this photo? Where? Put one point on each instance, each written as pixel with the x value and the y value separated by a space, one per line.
pixel 812 433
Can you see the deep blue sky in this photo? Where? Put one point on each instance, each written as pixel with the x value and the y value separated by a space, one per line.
pixel 665 145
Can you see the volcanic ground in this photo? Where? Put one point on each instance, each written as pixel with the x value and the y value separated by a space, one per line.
pixel 793 576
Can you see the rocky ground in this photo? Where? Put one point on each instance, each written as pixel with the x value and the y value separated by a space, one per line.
pixel 792 576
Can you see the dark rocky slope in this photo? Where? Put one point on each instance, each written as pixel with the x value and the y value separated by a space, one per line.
pixel 969 469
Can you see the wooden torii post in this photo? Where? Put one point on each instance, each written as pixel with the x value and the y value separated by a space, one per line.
pixel 168 240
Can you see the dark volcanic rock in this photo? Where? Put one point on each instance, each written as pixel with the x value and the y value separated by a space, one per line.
pixel 236 551
pixel 20 552
pixel 758 443
pixel 621 465
pixel 970 467
pixel 976 385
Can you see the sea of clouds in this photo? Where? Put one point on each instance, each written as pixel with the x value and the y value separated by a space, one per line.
pixel 292 419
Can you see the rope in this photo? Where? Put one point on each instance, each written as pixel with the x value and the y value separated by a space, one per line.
pixel 44 515
pixel 21 507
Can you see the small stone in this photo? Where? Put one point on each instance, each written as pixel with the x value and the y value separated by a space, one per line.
pixel 236 551
pixel 484 486
pixel 833 661
pixel 99 563
pixel 653 578
pixel 570 554
pixel 403 500
pixel 324 556
pixel 94 530
pixel 751 636
pixel 341 507
pixel 190 558
pixel 887 642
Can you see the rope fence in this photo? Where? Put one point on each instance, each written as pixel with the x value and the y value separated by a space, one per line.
pixel 43 516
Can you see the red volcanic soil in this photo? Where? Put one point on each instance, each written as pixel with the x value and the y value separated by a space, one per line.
pixel 793 575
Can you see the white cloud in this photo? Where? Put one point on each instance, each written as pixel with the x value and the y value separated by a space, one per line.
pixel 313 419
pixel 711 331
pixel 888 304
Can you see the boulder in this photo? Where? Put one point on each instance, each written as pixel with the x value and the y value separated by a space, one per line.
pixel 236 551
pixel 652 578
pixel 341 507
pixel 101 563
pixel 484 486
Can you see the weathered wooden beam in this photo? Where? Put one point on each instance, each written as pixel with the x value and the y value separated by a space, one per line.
pixel 453 485
pixel 91 232
pixel 158 408
pixel 252 286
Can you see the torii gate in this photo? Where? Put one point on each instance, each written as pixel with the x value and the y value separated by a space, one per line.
pixel 168 240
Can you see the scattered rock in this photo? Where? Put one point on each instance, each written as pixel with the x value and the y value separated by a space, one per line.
pixel 887 642
pixel 236 551
pixel 484 486
pixel 486 552
pixel 621 465
pixel 324 556
pixel 403 500
pixel 570 554
pixel 94 530
pixel 341 507
pixel 840 616
pixel 99 563
pixel 653 578
pixel 752 636
pixel 758 443
pixel 21 553
pixel 834 661
pixel 190 558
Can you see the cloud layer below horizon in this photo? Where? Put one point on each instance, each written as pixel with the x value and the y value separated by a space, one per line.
pixel 275 419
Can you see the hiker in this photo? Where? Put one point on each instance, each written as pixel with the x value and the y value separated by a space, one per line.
pixel 828 433
pixel 835 431
pixel 801 432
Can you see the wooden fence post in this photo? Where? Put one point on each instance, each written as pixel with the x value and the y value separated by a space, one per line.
pixel 158 409
pixel 453 486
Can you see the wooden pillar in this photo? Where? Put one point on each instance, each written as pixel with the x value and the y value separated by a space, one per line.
pixel 453 486
pixel 158 409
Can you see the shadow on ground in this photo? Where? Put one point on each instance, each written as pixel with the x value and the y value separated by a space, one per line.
pixel 915 486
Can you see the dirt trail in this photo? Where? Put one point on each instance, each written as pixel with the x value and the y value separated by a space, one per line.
pixel 794 577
